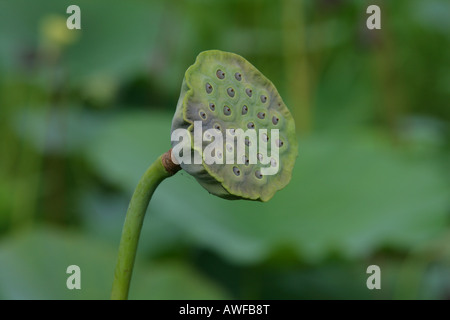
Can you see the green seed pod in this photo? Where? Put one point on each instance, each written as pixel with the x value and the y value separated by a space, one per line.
pixel 222 90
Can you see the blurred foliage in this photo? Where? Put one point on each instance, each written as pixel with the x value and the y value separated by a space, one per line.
pixel 83 113
pixel 29 272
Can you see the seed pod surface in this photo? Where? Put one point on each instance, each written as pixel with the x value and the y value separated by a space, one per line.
pixel 242 98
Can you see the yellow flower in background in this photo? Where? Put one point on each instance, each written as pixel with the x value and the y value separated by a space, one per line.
pixel 54 32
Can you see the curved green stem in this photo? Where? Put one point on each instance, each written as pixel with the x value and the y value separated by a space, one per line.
pixel 154 175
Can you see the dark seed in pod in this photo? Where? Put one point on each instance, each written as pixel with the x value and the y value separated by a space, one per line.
pixel 261 115
pixel 263 99
pixel 265 137
pixel 209 88
pixel 236 171
pixel 249 92
pixel 217 126
pixel 202 115
pixel 231 92
pixel 279 143
pixel 226 110
pixel 245 160
pixel 247 142
pixel 244 109
pixel 212 106
pixel 250 125
pixel 232 131
pixel 220 74
pixel 238 76
pixel 275 120
pixel 258 174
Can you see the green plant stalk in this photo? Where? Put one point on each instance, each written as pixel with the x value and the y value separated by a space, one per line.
pixel 154 175
pixel 297 64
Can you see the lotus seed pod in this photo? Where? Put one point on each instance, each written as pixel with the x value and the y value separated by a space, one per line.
pixel 223 91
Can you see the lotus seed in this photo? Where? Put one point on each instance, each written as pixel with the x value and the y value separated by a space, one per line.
pixel 279 143
pixel 247 142
pixel 209 88
pixel 238 76
pixel 261 115
pixel 258 174
pixel 212 106
pixel 236 171
pixel 202 115
pixel 249 92
pixel 251 125
pixel 246 161
pixel 265 137
pixel 263 99
pixel 244 109
pixel 226 110
pixel 217 126
pixel 275 120
pixel 231 92
pixel 220 74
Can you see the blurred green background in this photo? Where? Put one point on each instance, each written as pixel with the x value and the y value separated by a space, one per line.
pixel 83 113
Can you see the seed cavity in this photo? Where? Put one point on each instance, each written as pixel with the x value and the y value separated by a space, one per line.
pixel 265 137
pixel 263 99
pixel 220 74
pixel 244 109
pixel 212 106
pixel 226 110
pixel 279 143
pixel 261 115
pixel 231 92
pixel 209 88
pixel 249 92
pixel 275 120
pixel 260 157
pixel 238 76
pixel 250 125
pixel 258 174
pixel 202 114
pixel 217 126
pixel 247 142
pixel 236 171
pixel 245 160
pixel 232 131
